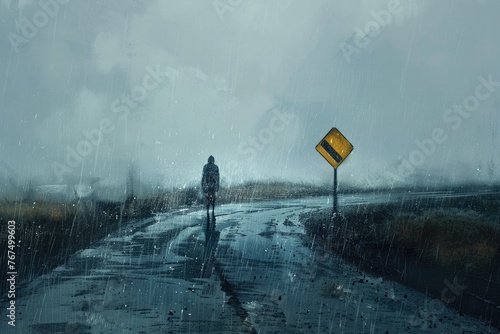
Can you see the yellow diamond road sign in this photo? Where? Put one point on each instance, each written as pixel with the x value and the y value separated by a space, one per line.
pixel 334 147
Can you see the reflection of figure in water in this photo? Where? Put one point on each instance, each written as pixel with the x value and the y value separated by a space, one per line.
pixel 210 185
pixel 210 247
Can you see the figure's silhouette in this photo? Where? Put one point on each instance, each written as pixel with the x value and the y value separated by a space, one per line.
pixel 210 186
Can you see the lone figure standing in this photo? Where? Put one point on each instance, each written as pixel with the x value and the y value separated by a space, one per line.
pixel 210 185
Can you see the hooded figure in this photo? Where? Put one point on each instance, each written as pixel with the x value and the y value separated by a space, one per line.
pixel 210 183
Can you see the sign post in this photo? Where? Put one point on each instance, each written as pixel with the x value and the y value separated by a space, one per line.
pixel 335 148
pixel 335 201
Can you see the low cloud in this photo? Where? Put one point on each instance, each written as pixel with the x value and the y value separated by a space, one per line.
pixel 232 72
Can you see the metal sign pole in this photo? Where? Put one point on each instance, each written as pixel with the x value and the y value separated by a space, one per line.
pixel 335 202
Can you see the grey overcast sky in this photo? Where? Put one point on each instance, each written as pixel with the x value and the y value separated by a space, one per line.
pixel 256 83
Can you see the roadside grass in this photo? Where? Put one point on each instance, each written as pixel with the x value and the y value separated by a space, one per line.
pixel 37 211
pixel 449 237
pixel 47 233
pixel 261 191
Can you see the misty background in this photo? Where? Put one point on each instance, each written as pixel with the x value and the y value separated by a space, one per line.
pixel 255 83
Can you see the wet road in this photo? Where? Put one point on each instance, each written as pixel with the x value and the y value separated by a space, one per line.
pixel 252 273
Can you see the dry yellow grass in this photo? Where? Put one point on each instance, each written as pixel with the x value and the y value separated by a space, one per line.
pixel 447 237
pixel 473 256
pixel 37 211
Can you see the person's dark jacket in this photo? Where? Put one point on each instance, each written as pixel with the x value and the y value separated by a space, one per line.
pixel 210 178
